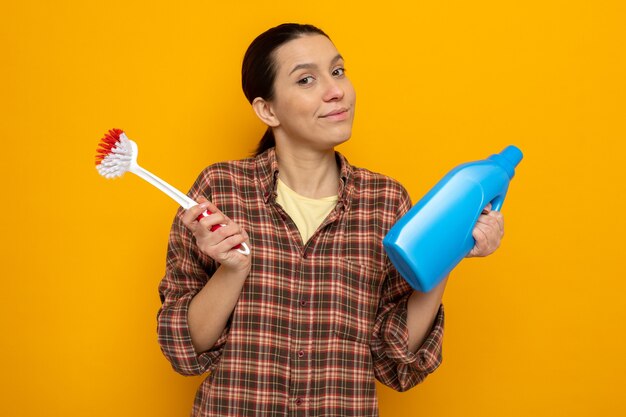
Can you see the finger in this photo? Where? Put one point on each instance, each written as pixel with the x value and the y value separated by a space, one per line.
pixel 211 209
pixel 487 209
pixel 230 243
pixel 480 235
pixel 494 220
pixel 208 222
pixel 480 239
pixel 211 241
pixel 192 213
pixel 224 230
pixel 488 221
pixel 214 244
pixel 499 219
pixel 493 237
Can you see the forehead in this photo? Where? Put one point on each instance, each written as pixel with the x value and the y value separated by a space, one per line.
pixel 308 49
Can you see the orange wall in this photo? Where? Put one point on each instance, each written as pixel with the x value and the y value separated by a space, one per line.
pixel 537 329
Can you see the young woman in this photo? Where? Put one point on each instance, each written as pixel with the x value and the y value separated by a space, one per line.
pixel 304 324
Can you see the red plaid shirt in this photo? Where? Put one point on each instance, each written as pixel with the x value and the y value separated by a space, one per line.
pixel 315 322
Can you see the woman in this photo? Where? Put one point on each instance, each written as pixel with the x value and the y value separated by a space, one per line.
pixel 307 321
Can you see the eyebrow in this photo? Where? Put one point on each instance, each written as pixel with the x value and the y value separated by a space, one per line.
pixel 308 65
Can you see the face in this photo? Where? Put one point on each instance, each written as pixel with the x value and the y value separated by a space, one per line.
pixel 313 104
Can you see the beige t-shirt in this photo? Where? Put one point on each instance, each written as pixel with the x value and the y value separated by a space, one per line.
pixel 307 213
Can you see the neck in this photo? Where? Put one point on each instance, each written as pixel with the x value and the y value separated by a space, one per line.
pixel 313 174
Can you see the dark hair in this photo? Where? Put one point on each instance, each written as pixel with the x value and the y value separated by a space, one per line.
pixel 258 71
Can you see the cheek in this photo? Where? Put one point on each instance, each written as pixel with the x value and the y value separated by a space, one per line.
pixel 294 106
pixel 349 91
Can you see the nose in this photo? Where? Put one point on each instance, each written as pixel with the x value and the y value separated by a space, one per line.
pixel 334 90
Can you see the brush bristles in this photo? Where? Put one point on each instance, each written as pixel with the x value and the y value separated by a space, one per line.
pixel 113 154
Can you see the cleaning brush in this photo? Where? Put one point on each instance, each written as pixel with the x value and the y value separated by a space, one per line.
pixel 116 154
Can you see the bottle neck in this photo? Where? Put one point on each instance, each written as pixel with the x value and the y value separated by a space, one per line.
pixel 504 163
pixel 508 159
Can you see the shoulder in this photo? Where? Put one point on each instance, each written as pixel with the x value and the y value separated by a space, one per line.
pixel 377 184
pixel 236 171
pixel 378 198
pixel 225 174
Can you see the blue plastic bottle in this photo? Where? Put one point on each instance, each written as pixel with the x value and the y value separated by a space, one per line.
pixel 436 234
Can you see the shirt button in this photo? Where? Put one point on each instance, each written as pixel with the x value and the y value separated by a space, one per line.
pixel 304 255
pixel 298 401
pixel 301 354
pixel 303 303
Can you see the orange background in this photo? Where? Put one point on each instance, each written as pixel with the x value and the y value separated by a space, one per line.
pixel 536 329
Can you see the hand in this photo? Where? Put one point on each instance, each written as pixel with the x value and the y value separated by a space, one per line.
pixel 219 244
pixel 488 232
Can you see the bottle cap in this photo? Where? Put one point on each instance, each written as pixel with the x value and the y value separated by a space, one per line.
pixel 508 159
pixel 513 154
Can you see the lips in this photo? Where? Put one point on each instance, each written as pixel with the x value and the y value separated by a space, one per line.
pixel 335 113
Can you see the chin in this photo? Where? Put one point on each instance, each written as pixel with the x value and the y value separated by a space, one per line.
pixel 342 135
pixel 343 140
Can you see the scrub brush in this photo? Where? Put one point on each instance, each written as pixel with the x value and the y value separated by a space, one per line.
pixel 116 154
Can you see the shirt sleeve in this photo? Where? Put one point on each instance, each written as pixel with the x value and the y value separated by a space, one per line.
pixel 394 364
pixel 187 271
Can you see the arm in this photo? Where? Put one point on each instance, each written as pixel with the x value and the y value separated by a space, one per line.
pixel 422 307
pixel 211 308
pixel 410 336
pixel 190 287
pixel 408 330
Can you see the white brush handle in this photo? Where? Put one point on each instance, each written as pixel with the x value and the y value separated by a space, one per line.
pixel 176 195
pixel 179 197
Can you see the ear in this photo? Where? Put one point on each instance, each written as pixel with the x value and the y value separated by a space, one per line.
pixel 264 111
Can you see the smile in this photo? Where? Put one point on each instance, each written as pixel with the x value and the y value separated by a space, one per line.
pixel 339 114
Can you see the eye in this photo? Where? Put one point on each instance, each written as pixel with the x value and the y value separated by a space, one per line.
pixel 306 80
pixel 339 72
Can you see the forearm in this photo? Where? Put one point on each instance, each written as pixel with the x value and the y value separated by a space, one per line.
pixel 422 310
pixel 212 306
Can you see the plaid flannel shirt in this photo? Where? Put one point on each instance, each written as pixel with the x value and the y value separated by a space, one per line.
pixel 315 321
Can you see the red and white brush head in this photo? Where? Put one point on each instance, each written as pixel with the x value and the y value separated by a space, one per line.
pixel 115 154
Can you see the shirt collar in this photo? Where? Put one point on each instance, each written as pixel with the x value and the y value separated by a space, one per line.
pixel 267 171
